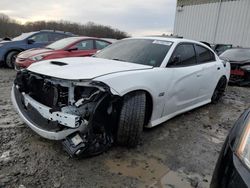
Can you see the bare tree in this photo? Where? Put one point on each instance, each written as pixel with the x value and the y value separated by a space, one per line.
pixel 11 28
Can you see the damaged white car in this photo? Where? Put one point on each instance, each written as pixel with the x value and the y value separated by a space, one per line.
pixel 90 103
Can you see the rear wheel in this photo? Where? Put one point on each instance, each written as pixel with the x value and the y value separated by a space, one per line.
pixel 11 58
pixel 131 119
pixel 219 90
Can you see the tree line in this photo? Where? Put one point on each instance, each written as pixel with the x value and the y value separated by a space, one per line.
pixel 11 28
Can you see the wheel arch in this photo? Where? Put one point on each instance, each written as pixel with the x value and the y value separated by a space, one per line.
pixel 223 77
pixel 11 50
pixel 149 104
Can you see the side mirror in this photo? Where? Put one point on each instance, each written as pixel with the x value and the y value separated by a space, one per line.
pixel 30 41
pixel 72 49
pixel 175 60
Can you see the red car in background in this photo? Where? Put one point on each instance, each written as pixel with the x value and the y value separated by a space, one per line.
pixel 68 47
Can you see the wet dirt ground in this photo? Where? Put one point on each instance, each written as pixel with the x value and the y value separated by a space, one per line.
pixel 180 153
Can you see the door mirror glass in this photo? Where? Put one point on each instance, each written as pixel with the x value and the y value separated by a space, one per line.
pixel 72 49
pixel 30 41
pixel 176 60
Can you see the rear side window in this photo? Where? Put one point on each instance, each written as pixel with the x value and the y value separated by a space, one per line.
pixel 204 54
pixel 56 36
pixel 85 45
pixel 101 44
pixel 184 55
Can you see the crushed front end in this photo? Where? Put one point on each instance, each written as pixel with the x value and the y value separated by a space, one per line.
pixel 79 113
pixel 240 74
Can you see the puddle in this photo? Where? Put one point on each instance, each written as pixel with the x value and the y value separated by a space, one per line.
pixel 174 180
pixel 5 156
pixel 151 173
pixel 216 140
pixel 148 171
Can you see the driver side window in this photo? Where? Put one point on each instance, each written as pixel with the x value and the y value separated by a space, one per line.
pixel 41 37
pixel 184 55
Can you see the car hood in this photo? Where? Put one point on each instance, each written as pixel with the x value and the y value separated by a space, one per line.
pixel 9 44
pixel 4 42
pixel 34 52
pixel 77 68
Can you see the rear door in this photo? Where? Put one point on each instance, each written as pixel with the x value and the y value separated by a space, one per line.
pixel 185 84
pixel 209 76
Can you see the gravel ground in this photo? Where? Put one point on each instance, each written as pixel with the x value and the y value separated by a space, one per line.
pixel 179 153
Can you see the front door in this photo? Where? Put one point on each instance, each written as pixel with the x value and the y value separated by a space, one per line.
pixel 83 48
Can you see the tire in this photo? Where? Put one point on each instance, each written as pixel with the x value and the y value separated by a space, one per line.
pixel 11 58
pixel 219 90
pixel 131 119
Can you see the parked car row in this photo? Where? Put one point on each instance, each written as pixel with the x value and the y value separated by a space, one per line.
pixel 68 47
pixel 40 45
pixel 9 49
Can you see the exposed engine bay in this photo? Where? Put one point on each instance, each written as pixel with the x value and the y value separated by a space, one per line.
pixel 82 114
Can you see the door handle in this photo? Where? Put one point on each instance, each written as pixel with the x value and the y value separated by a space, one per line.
pixel 198 75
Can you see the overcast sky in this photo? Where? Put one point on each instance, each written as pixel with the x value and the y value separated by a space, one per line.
pixel 137 17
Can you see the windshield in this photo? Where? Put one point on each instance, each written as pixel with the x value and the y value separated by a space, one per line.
pixel 23 36
pixel 239 54
pixel 61 44
pixel 139 51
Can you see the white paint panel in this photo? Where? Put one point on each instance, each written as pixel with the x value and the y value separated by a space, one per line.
pixel 199 22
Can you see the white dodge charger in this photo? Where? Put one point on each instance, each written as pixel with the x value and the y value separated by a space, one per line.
pixel 90 102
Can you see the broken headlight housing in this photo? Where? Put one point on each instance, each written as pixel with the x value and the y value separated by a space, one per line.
pixel 243 149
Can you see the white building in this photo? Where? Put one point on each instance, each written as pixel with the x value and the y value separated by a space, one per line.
pixel 214 21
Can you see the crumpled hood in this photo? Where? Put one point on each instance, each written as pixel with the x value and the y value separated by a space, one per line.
pixel 34 52
pixel 76 68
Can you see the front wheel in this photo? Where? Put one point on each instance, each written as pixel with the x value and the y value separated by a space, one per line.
pixel 219 90
pixel 131 119
pixel 11 58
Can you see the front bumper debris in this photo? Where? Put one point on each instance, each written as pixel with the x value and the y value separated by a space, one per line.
pixel 38 122
pixel 80 114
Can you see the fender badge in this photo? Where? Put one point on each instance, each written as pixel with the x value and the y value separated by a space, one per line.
pixel 161 94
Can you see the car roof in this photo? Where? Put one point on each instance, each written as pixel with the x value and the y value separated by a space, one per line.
pixel 57 31
pixel 236 48
pixel 86 37
pixel 169 39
